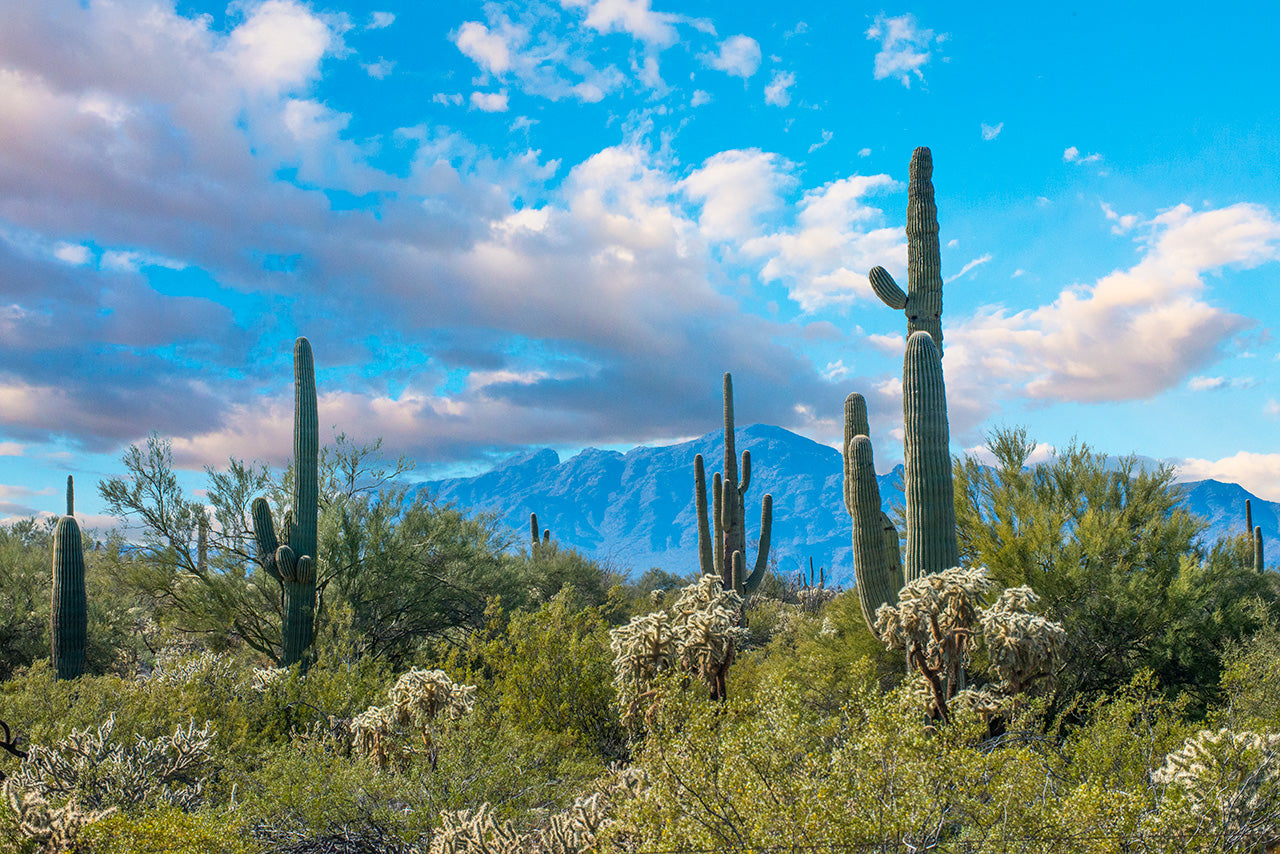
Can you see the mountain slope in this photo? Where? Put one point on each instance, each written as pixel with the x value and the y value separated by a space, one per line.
pixel 635 509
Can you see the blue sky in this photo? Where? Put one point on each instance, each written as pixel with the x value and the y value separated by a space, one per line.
pixel 516 224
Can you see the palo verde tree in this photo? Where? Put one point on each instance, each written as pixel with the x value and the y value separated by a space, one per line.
pixel 1116 560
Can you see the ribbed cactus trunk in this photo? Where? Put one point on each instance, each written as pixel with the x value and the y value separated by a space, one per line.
pixel 69 609
pixel 877 562
pixel 292 562
pixel 930 492
pixel 923 300
pixel 71 495
pixel 720 540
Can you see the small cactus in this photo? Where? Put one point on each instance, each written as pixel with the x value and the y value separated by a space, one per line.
pixel 539 543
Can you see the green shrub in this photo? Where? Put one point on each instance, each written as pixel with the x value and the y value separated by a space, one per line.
pixel 169 830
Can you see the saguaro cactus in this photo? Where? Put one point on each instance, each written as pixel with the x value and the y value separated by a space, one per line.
pixel 728 497
pixel 877 559
pixel 930 492
pixel 539 543
pixel 69 611
pixel 292 562
pixel 1259 558
pixel 923 300
pixel 71 495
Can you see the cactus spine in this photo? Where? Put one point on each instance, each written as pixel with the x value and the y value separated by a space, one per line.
pixel 69 611
pixel 292 562
pixel 877 562
pixel 716 549
pixel 923 300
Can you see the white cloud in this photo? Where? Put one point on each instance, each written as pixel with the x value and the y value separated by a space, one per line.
pixel 778 92
pixel 835 371
pixel 12 449
pixel 73 253
pixel 990 132
pixel 826 137
pixel 738 55
pixel 446 98
pixel 1258 473
pixel 734 188
pixel 824 259
pixel 1134 332
pixel 1072 155
pixel 865 152
pixel 976 262
pixel 1206 383
pixel 488 49
pixel 1122 223
pixel 490 102
pixel 1018 272
pixel 279 45
pixel 904 47
pixel 1271 408
pixel 634 17
pixel 381 20
pixel 699 98
pixel 378 70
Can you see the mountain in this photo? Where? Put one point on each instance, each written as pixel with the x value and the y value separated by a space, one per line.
pixel 635 510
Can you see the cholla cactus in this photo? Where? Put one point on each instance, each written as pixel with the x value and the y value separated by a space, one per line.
pixel 179 667
pixel 569 832
pixel 373 735
pixel 698 634
pixel 423 695
pixel 938 618
pixel 1228 780
pixel 1023 646
pixel 418 698
pixel 265 677
pixel 88 775
pixel 812 599
pixel 54 829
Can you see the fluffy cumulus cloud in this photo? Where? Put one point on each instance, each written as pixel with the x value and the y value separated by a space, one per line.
pixel 823 258
pixel 778 92
pixel 1133 333
pixel 904 48
pixel 738 55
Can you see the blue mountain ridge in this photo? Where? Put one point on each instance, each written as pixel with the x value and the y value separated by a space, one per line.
pixel 634 510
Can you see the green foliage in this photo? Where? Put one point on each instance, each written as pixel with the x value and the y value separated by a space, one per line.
pixel 555 673
pixel 1115 560
pixel 169 830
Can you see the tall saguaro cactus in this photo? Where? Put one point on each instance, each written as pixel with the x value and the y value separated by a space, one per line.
pixel 877 559
pixel 716 549
pixel 69 611
pixel 71 495
pixel 930 491
pixel 923 300
pixel 291 562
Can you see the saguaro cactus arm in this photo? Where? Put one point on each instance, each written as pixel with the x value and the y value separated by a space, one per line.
pixel 706 556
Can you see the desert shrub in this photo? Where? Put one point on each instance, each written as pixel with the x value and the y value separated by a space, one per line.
pixel 555 672
pixel 169 830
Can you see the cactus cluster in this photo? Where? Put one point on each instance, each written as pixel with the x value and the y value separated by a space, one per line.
pixel 722 538
pixel 931 544
pixel 417 700
pixel 291 559
pixel 1254 536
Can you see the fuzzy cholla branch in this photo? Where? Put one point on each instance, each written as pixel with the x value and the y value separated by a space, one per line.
pixel 418 698
pixel 98 771
pixel 698 634
pixel 1228 780
pixel 1022 645
pixel 933 621
pixel 54 829
pixel 570 832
